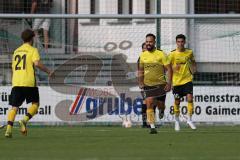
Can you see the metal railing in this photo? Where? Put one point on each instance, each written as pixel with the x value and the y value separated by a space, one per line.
pixel 123 16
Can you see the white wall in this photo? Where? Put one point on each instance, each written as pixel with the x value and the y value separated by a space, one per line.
pixel 214 42
pixel 84 8
pixel 172 27
pixel 217 42
pixel 94 38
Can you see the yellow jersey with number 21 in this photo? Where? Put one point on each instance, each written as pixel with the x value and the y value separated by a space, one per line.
pixel 23 66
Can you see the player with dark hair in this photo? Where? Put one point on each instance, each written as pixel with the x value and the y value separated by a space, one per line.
pixel 144 106
pixel 183 66
pixel 152 80
pixel 24 85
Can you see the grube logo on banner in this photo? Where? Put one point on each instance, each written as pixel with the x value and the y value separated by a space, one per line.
pixel 95 106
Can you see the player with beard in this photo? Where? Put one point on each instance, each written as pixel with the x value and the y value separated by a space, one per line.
pixel 152 79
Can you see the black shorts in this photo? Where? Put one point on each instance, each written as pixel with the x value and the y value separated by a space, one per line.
pixel 157 92
pixel 183 90
pixel 19 94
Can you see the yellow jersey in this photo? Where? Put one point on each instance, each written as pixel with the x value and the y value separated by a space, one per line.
pixel 23 66
pixel 153 64
pixel 181 63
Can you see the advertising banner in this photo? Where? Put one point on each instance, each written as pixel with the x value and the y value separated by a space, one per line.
pixel 211 104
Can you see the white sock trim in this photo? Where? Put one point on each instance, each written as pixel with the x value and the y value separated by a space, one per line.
pixel 177 118
pixel 152 125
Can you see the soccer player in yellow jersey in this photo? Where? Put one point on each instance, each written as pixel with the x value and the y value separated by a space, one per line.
pixel 183 66
pixel 24 86
pixel 152 79
pixel 144 106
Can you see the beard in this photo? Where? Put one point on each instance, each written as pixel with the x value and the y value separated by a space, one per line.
pixel 181 47
pixel 150 47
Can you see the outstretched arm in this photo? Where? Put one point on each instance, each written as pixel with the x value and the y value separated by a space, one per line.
pixel 42 67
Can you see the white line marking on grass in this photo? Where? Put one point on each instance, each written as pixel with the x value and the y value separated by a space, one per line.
pixel 197 131
pixel 103 130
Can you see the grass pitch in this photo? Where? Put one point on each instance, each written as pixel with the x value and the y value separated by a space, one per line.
pixel 115 143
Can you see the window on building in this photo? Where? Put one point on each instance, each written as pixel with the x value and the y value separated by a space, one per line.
pixel 130 7
pixel 216 6
pixel 125 6
pixel 148 6
pixel 120 6
pixel 94 9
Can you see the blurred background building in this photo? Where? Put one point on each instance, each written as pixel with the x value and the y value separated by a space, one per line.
pixel 215 41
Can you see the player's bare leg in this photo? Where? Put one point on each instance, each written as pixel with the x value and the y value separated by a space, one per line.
pixel 161 109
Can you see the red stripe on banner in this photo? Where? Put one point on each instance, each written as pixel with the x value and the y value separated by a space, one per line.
pixel 76 101
pixel 85 97
pixel 80 101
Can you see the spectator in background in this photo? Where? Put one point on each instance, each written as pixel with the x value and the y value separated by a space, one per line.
pixel 42 7
pixel 144 107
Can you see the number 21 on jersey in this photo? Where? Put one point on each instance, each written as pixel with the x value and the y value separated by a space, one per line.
pixel 20 62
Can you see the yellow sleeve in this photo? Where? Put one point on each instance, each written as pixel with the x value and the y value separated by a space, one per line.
pixel 165 60
pixel 35 56
pixel 141 63
pixel 170 58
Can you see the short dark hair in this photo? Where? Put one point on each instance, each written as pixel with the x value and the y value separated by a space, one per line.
pixel 27 35
pixel 181 36
pixel 151 35
pixel 143 44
